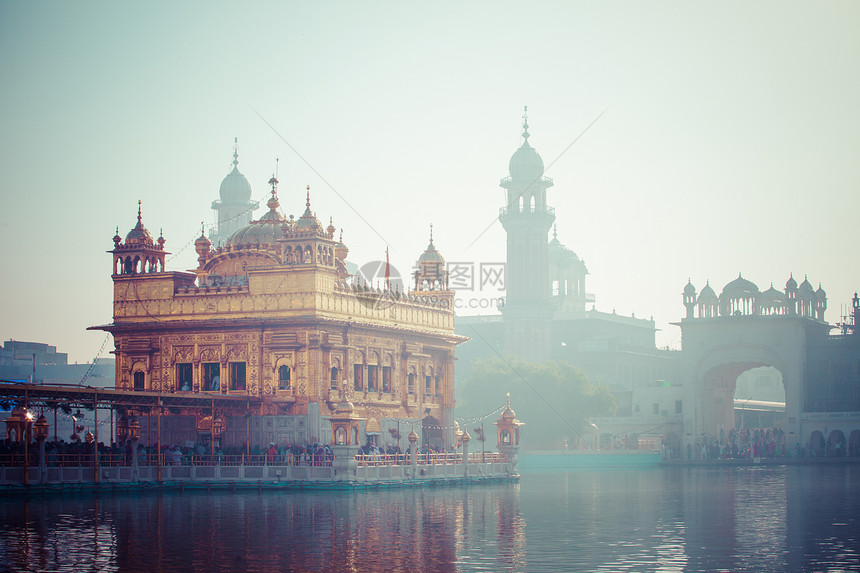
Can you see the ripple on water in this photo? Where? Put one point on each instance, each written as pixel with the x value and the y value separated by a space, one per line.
pixel 558 519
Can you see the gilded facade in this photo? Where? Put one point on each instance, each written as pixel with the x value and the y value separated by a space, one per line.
pixel 273 315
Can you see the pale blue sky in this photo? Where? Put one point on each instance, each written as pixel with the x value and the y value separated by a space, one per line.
pixel 729 143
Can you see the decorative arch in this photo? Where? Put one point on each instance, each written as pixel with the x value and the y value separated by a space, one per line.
pixel 431 432
pixel 716 352
pixel 854 443
pixel 340 436
pixel 411 375
pixel 284 373
pixel 139 378
pixel 335 373
pixel 817 444
pixel 836 445
pixel 210 355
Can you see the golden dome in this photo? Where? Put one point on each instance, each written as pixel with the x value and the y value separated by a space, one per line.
pixel 508 413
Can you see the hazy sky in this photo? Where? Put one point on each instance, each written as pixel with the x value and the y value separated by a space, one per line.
pixel 729 141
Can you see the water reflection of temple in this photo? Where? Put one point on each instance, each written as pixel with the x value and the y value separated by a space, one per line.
pixel 392 530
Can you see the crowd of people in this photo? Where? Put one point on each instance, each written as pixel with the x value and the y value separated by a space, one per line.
pixel 761 443
pixel 79 452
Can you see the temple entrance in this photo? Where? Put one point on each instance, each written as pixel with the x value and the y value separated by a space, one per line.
pixel 745 371
pixel 740 395
pixel 760 399
pixel 431 433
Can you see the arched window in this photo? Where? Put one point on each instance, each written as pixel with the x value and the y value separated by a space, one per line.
pixel 335 375
pixel 428 376
pixel 358 377
pixel 340 436
pixel 386 379
pixel 284 377
pixel 139 380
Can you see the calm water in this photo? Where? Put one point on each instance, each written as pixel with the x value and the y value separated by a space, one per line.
pixel 556 519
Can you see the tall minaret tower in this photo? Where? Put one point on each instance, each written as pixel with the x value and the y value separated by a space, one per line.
pixel 527 220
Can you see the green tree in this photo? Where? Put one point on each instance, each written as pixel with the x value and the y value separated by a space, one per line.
pixel 554 399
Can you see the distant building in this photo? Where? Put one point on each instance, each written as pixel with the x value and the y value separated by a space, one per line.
pixel 52 368
pixel 18 353
pixel 744 329
pixel 235 208
pixel 545 315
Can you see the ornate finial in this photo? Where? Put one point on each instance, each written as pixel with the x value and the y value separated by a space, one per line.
pixel 340 240
pixel 555 231
pixel 202 229
pixel 138 211
pixel 526 122
pixel 274 183
pixel 308 202
pixel 235 152
pixel 431 233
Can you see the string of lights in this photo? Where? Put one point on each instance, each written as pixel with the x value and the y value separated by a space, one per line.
pixel 463 422
pixel 240 215
pixel 95 360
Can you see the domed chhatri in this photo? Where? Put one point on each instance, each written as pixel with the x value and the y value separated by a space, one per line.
pixel 508 427
pixel 689 289
pixel 431 274
pixel 308 221
pixel 739 286
pixel 508 413
pixel 139 253
pixel 558 253
pixel 267 229
pixel 430 254
pixel 139 236
pixel 742 297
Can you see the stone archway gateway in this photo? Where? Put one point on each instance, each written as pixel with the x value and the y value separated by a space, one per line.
pixel 740 330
